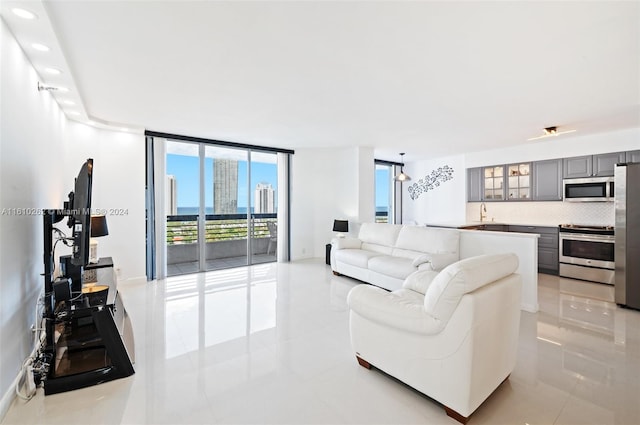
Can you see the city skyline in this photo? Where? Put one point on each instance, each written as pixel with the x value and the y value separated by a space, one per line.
pixel 185 168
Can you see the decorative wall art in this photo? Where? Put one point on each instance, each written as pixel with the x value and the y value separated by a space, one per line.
pixel 430 182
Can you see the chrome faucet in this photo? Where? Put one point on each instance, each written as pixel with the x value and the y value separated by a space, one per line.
pixel 483 212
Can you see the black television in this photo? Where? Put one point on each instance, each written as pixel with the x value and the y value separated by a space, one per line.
pixel 80 214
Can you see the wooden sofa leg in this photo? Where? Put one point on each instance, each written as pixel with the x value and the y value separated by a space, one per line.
pixel 336 273
pixel 365 364
pixel 455 415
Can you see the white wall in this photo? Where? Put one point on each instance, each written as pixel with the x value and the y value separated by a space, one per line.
pixel 559 147
pixel 445 203
pixel 328 184
pixel 40 155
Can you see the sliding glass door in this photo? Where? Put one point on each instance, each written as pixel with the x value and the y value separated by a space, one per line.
pixel 263 198
pixel 221 207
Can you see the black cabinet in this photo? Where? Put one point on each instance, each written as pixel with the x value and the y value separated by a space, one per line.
pixel 602 165
pixel 496 227
pixel 547 246
pixel 547 180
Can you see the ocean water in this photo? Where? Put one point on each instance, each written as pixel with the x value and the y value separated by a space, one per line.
pixel 241 210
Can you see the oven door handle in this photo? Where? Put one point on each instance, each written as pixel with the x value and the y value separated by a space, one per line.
pixel 587 238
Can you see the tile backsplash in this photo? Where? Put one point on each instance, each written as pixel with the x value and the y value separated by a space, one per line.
pixel 545 213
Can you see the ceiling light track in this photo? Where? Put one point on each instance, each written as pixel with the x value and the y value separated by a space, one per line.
pixel 551 132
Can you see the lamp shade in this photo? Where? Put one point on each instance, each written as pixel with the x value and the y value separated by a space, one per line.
pixel 402 177
pixel 99 226
pixel 340 225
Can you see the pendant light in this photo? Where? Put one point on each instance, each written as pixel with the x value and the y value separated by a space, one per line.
pixel 402 177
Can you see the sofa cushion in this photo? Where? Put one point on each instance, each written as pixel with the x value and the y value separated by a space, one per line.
pixel 379 233
pixel 355 257
pixel 397 267
pixel 402 309
pixel 446 289
pixel 428 240
pixel 420 281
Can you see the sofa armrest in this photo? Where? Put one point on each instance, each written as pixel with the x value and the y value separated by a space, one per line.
pixel 393 310
pixel 346 243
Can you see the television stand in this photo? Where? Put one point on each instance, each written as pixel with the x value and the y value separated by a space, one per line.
pixel 92 337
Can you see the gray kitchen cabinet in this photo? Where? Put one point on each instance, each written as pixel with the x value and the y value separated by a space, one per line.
pixel 578 166
pixel 547 180
pixel 605 164
pixel 519 181
pixel 474 184
pixel 547 246
pixel 592 165
pixel 493 183
pixel 633 156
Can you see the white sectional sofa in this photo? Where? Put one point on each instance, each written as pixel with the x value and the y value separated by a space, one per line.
pixel 386 254
pixel 453 336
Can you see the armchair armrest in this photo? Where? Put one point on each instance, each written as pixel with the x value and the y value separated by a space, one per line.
pixel 346 243
pixel 390 309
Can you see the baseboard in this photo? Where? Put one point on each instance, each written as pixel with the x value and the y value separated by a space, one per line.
pixel 8 397
pixel 530 308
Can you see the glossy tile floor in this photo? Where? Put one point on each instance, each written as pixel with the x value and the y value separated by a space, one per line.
pixel 270 344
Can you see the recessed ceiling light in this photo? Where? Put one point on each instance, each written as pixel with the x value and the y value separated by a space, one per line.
pixel 25 14
pixel 40 47
pixel 69 102
pixel 62 89
pixel 53 71
pixel 74 113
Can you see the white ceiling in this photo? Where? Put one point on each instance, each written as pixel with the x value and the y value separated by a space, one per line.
pixel 426 78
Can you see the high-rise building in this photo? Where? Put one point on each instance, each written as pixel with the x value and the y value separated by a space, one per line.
pixel 225 186
pixel 264 199
pixel 171 196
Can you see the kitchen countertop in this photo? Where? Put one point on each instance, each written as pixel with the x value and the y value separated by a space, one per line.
pixel 462 225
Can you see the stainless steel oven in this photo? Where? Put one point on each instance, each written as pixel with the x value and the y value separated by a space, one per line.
pixel 587 253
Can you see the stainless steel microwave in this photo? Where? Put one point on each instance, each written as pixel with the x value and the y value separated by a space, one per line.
pixel 593 189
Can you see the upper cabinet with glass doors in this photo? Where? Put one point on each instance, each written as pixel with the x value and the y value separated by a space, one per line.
pixel 519 182
pixel 503 183
pixel 493 183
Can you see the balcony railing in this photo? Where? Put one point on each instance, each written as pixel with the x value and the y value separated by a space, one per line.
pixel 225 240
pixel 183 229
pixel 382 217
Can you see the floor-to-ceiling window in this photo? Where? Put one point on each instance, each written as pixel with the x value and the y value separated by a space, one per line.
pixel 384 193
pixel 220 205
pixel 388 202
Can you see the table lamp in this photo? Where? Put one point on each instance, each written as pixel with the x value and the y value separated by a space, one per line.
pixel 340 226
pixel 98 229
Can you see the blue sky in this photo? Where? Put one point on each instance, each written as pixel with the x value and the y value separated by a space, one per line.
pixel 186 170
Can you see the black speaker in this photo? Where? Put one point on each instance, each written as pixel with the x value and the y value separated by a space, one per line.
pixel 71 271
pixel 62 289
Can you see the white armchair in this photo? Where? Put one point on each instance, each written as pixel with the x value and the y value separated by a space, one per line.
pixel 451 335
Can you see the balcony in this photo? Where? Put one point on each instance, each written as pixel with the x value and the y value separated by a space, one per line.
pixel 225 242
pixel 382 217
